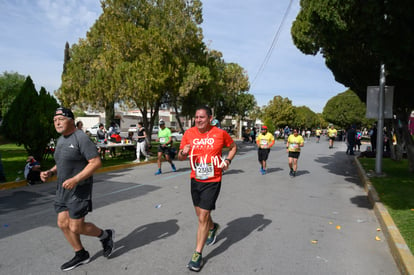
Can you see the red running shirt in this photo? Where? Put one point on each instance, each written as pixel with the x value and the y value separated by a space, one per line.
pixel 205 154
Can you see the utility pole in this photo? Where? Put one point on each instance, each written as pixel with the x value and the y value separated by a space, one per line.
pixel 380 123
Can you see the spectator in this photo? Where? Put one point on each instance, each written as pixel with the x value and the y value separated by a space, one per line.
pixel 79 125
pixel 32 171
pixel 101 137
pixel 373 137
pixel 351 140
pixel 141 143
pixel 358 140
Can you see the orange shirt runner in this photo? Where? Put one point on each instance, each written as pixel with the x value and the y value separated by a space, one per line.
pixel 206 153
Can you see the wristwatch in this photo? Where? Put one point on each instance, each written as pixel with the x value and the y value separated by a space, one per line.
pixel 229 160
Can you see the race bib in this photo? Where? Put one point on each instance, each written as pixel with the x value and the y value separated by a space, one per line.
pixel 263 143
pixel 162 140
pixel 204 171
pixel 293 146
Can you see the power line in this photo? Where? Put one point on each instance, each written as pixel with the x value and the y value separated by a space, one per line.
pixel 272 46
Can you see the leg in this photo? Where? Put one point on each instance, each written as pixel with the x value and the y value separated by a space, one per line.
pixel 159 160
pixel 144 152
pixel 295 165
pixel 63 221
pixel 138 152
pixel 205 223
pixel 80 227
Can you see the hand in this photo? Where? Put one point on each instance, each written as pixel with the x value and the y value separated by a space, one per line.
pixel 186 149
pixel 45 175
pixel 69 183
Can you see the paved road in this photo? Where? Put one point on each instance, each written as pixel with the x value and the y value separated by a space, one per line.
pixel 317 223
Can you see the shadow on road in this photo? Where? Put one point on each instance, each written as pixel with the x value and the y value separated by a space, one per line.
pixel 236 231
pixel 342 165
pixel 144 235
pixel 361 201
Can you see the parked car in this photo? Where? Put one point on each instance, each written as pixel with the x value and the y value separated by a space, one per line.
pixel 93 130
pixel 133 128
pixel 155 129
pixel 176 136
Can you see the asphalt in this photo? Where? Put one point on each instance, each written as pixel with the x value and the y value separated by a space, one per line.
pixel 326 220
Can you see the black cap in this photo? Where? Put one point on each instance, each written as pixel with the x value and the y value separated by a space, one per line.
pixel 64 112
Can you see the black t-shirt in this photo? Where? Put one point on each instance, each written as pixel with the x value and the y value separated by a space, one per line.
pixel 141 133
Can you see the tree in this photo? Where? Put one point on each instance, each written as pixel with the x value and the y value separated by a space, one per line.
pixel 345 109
pixel 280 111
pixel 29 121
pixel 10 85
pixel 355 38
pixel 136 54
pixel 305 118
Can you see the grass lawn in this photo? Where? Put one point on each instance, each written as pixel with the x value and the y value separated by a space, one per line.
pixel 14 159
pixel 396 191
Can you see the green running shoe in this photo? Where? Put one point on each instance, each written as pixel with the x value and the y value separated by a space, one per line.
pixel 212 234
pixel 196 262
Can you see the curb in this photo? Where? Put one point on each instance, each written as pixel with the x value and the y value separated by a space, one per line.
pixel 21 183
pixel 399 249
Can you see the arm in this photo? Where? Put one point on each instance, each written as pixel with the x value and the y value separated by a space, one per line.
pixel 168 142
pixel 45 175
pixel 90 168
pixel 183 153
pixel 272 143
pixel 230 156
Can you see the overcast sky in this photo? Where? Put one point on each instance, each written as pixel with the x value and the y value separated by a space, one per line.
pixel 33 34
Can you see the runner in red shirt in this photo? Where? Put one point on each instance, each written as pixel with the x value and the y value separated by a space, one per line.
pixel 203 145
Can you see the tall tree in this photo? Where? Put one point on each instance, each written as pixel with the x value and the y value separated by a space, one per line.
pixel 345 109
pixel 33 127
pixel 280 111
pixel 10 86
pixel 355 37
pixel 305 118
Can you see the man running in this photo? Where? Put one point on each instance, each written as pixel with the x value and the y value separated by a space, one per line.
pixel 164 137
pixel 203 145
pixel 332 133
pixel 294 142
pixel 76 160
pixel 265 141
pixel 318 134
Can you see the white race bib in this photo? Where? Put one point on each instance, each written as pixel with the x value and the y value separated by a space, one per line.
pixel 204 171
pixel 162 140
pixel 263 142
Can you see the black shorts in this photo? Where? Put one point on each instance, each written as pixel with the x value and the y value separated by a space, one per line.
pixel 205 194
pixel 78 201
pixel 263 154
pixel 77 209
pixel 332 138
pixel 165 150
pixel 294 155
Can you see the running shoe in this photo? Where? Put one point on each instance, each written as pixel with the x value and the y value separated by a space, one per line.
pixel 291 173
pixel 81 257
pixel 196 262
pixel 108 243
pixel 158 172
pixel 212 234
pixel 173 167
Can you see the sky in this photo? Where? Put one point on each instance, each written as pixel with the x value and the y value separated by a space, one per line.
pixel 33 34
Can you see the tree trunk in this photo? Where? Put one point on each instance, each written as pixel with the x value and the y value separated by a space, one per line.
pixel 109 114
